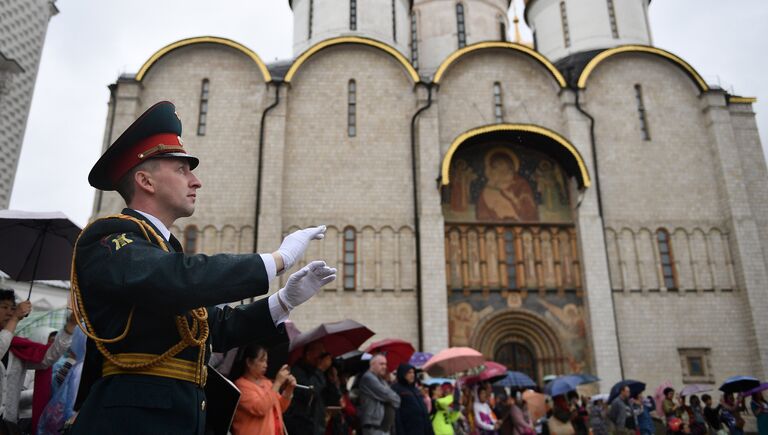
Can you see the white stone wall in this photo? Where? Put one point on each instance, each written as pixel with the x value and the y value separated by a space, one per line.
pixel 331 19
pixel 23 25
pixel 589 26
pixel 437 27
pixel 529 93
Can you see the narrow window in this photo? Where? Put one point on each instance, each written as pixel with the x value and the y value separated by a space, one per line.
pixel 462 31
pixel 311 13
pixel 352 14
pixel 190 240
pixel 667 259
pixel 352 109
pixel 564 19
pixel 509 249
pixel 612 19
pixel 414 42
pixel 350 248
pixel 498 107
pixel 502 31
pixel 202 118
pixel 641 113
pixel 394 22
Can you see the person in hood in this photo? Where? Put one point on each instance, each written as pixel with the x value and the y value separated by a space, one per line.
pixel 412 418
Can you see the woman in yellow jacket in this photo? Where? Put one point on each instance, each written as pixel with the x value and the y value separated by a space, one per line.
pixel 443 413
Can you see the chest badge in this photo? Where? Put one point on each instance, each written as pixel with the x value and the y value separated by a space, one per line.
pixel 121 241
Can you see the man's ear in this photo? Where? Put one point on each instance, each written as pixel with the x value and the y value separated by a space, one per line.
pixel 144 181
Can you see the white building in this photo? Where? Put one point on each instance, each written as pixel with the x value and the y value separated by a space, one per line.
pixel 588 205
pixel 23 24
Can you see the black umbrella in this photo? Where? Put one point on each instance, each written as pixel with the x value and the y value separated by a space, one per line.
pixel 737 384
pixel 36 246
pixel 635 388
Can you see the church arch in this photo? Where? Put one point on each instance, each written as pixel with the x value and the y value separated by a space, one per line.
pixel 458 54
pixel 677 61
pixel 518 326
pixel 204 40
pixel 388 49
pixel 572 162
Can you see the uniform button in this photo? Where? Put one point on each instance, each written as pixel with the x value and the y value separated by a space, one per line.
pixel 202 405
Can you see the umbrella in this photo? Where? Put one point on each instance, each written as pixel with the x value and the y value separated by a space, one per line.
pixel 453 361
pixel 737 384
pixel 635 388
pixel 438 381
pixel 759 389
pixel 397 351
pixel 515 380
pixel 338 338
pixel 659 396
pixel 537 404
pixel 690 390
pixel 562 385
pixel 419 358
pixel 586 378
pixel 36 246
pixel 597 397
pixel 492 372
pixel 353 362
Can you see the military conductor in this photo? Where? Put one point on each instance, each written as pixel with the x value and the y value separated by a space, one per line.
pixel 149 310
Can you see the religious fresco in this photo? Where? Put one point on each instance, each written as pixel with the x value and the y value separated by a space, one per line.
pixel 564 313
pixel 502 182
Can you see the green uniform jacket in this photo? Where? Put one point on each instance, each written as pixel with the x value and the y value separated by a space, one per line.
pixel 118 268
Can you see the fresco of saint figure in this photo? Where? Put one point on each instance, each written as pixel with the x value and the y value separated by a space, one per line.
pixel 506 195
pixel 554 196
pixel 462 177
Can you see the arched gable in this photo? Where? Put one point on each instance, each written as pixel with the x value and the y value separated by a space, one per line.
pixel 388 49
pixel 663 54
pixel 572 162
pixel 204 40
pixel 538 57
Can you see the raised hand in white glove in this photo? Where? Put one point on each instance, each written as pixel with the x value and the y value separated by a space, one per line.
pixel 294 244
pixel 305 283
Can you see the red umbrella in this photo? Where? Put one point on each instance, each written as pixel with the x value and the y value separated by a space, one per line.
pixel 453 361
pixel 493 371
pixel 338 338
pixel 397 351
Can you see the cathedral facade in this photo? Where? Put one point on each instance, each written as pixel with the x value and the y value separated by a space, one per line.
pixel 585 203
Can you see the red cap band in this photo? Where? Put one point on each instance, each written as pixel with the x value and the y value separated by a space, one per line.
pixel 143 150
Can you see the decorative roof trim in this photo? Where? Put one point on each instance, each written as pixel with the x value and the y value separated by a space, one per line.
pixel 589 69
pixel 741 100
pixel 530 128
pixel 456 55
pixel 204 40
pixel 311 51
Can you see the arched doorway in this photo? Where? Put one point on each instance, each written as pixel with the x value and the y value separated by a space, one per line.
pixel 517 356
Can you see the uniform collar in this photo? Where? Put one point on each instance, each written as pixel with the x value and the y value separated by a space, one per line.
pixel 156 222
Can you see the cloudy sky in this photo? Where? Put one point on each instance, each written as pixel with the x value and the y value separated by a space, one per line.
pixel 91 42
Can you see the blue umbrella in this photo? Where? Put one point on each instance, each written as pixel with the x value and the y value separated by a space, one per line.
pixel 515 380
pixel 586 378
pixel 562 385
pixel 439 381
pixel 419 358
pixel 737 384
pixel 635 388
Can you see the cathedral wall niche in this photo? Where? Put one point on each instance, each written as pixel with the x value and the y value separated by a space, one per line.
pixel 332 177
pixel 672 177
pixel 230 144
pixel 466 94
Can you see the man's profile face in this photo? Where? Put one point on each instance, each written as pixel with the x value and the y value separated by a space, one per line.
pixel 379 366
pixel 625 392
pixel 175 186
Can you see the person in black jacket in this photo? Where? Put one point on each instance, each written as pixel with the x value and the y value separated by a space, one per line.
pixel 412 417
pixel 149 310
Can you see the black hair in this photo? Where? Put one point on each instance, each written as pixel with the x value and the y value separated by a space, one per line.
pixel 245 353
pixel 7 294
pixel 667 390
pixel 705 397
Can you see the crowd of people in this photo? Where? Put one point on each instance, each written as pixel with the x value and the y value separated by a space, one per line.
pixel 319 396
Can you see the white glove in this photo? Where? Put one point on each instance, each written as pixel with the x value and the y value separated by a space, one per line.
pixel 305 283
pixel 294 244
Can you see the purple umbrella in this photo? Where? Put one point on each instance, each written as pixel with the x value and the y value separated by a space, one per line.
pixel 35 246
pixel 690 390
pixel 419 358
pixel 759 389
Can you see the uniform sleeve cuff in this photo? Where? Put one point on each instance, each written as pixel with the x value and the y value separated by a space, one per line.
pixel 270 266
pixel 279 315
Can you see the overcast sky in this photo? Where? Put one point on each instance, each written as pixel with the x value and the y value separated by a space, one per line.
pixel 91 42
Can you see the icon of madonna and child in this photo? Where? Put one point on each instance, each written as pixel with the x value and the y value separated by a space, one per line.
pixel 506 183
